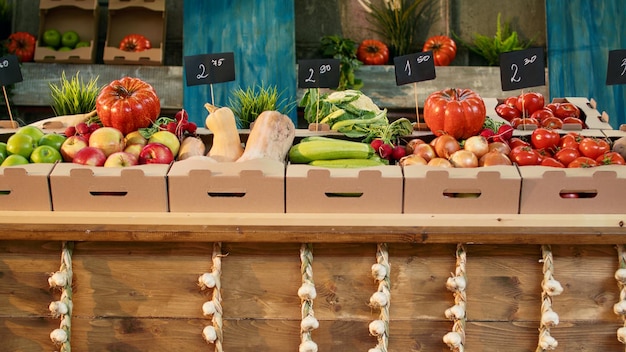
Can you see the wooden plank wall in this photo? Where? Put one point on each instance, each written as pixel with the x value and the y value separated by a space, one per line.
pixel 580 35
pixel 260 33
pixel 144 296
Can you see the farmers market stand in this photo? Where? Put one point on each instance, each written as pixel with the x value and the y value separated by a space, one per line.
pixel 135 284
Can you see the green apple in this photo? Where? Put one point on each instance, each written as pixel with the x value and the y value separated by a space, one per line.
pixel 21 144
pixel 14 159
pixel 70 39
pixel 3 151
pixel 45 154
pixel 32 131
pixel 65 48
pixel 82 44
pixel 167 138
pixel 52 38
pixel 52 139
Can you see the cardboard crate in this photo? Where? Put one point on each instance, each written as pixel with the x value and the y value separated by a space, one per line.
pixel 140 188
pixel 25 187
pixel 480 190
pixel 600 190
pixel 311 189
pixel 203 185
pixel 145 17
pixel 81 16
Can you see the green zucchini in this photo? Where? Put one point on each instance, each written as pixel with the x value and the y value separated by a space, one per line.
pixel 322 149
pixel 347 163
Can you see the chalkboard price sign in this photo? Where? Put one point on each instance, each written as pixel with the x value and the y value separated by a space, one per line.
pixel 616 70
pixel 522 69
pixel 414 67
pixel 319 73
pixel 209 68
pixel 10 71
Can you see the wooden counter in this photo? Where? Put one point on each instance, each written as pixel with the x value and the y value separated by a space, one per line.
pixel 135 279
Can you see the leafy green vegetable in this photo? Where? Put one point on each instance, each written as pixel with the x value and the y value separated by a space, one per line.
pixel 343 49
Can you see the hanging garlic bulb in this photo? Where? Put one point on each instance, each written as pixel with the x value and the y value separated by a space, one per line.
pixel 209 334
pixel 379 271
pixel 308 346
pixel 307 291
pixel 550 318
pixel 377 327
pixel 208 308
pixel 548 342
pixel 207 280
pixel 58 336
pixel 620 275
pixel 456 283
pixel 621 335
pixel 379 299
pixel 58 308
pixel 58 279
pixel 552 287
pixel 309 323
pixel 453 339
pixel 455 312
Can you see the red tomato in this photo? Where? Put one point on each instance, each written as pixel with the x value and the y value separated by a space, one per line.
pixel 552 162
pixel 564 110
pixel 611 158
pixel 458 112
pixel 22 45
pixel 443 48
pixel 544 138
pixel 542 114
pixel 526 121
pixel 566 155
pixel 583 162
pixel 373 52
pixel 135 43
pixel 571 139
pixel 508 112
pixel 524 155
pixel 530 102
pixel 574 121
pixel 552 107
pixel 511 101
pixel 552 122
pixel 516 142
pixel 593 147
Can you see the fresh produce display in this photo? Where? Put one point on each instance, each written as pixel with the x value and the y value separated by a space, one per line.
pixel 349 112
pixel 29 144
pixel 128 104
pixel 443 48
pixel 68 40
pixel 373 52
pixel 458 112
pixel 135 43
pixel 530 109
pixel 22 45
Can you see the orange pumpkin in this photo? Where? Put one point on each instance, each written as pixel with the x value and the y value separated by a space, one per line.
pixel 458 112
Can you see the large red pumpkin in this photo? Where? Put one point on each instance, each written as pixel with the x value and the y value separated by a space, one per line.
pixel 128 104
pixel 458 112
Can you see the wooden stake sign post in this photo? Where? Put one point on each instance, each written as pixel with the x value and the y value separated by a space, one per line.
pixel 10 73
pixel 320 73
pixel 414 68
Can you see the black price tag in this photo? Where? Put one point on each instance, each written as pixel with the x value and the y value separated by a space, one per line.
pixel 209 68
pixel 414 67
pixel 522 69
pixel 10 71
pixel 320 73
pixel 616 70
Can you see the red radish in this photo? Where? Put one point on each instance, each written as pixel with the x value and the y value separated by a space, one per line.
pixel 398 152
pixel 376 143
pixel 487 133
pixel 505 132
pixel 385 150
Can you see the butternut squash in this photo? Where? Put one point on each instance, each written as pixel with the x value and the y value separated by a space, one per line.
pixel 271 137
pixel 226 141
pixel 191 146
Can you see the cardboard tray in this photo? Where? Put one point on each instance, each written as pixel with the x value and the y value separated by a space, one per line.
pixel 145 17
pixel 602 190
pixel 200 184
pixel 141 188
pixel 81 16
pixel 25 187
pixel 311 189
pixel 481 190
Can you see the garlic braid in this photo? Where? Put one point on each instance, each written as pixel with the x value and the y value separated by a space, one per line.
pixel 550 287
pixel 307 294
pixel 63 308
pixel 457 283
pixel 381 299
pixel 620 307
pixel 213 333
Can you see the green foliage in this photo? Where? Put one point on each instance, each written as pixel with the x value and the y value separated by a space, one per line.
pixel 343 49
pixel 248 104
pixel 490 48
pixel 74 96
pixel 400 21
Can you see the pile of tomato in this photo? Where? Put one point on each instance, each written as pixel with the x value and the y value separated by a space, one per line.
pixel 547 147
pixel 530 109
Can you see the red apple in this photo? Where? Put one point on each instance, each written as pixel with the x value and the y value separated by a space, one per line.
pixel 121 159
pixel 91 156
pixel 109 139
pixel 155 153
pixel 167 138
pixel 71 146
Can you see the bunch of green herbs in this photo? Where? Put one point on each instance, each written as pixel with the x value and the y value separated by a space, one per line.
pixel 74 96
pixel 248 104
pixel 343 49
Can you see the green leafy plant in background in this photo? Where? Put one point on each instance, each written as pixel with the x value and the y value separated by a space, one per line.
pixel 74 96
pixel 248 104
pixel 343 49
pixel 399 21
pixel 503 41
